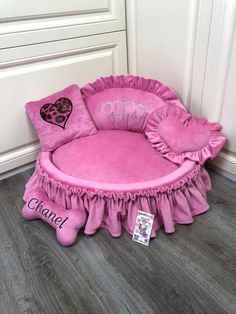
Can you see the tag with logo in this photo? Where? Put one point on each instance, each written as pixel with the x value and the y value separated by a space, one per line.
pixel 143 227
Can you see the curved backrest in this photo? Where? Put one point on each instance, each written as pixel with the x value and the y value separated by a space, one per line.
pixel 124 102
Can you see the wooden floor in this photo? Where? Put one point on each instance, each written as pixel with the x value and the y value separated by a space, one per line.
pixel 190 271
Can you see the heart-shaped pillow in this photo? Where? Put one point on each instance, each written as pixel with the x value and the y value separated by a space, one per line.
pixel 179 136
pixel 60 118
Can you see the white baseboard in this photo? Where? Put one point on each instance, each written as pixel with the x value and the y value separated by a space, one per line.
pixel 18 158
pixel 226 162
pixel 16 171
pixel 222 172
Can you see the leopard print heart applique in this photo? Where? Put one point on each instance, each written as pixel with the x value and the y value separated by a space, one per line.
pixel 58 113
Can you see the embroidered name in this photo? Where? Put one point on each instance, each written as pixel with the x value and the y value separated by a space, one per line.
pixel 37 206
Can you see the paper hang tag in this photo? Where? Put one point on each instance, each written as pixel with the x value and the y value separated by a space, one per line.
pixel 143 227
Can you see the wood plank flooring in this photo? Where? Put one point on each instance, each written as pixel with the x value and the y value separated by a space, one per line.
pixel 190 271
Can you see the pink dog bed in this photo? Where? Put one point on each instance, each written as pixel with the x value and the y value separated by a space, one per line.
pixel 148 154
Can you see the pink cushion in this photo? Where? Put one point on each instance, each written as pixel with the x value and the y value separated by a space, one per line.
pixel 60 118
pixel 66 222
pixel 124 102
pixel 177 135
pixel 112 157
pixel 181 138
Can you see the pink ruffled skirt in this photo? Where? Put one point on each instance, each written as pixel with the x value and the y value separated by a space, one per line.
pixel 173 198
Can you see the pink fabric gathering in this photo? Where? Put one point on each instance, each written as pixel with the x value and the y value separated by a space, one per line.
pixel 147 155
pixel 60 118
pixel 174 198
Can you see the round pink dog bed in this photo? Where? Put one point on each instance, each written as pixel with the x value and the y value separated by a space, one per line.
pixel 174 196
pixel 132 163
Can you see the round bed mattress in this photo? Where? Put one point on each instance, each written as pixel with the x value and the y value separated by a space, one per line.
pixel 112 157
pixel 113 174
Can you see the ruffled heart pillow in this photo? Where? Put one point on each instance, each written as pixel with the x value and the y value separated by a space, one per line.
pixel 179 136
pixel 60 118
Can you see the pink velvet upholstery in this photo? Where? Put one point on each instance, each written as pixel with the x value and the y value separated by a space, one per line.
pixel 112 156
pixel 174 198
pixel 177 135
pixel 60 118
pixel 67 223
pixel 186 139
pixel 147 155
pixel 123 102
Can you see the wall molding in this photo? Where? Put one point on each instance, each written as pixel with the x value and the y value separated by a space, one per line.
pixel 190 46
pixel 26 18
pixel 199 24
pixel 220 42
pixel 40 22
pixel 58 26
pixel 226 161
pixel 131 12
pixel 55 55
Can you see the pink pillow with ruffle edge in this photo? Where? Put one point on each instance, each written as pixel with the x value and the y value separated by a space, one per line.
pixel 124 102
pixel 60 118
pixel 179 136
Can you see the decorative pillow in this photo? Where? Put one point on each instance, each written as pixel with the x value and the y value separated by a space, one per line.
pixel 123 102
pixel 60 118
pixel 66 222
pixel 179 136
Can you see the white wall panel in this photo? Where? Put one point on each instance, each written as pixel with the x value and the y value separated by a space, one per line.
pixel 26 22
pixel 191 46
pixel 228 114
pixel 160 43
pixel 220 77
pixel 45 46
pixel 41 70
pixel 25 9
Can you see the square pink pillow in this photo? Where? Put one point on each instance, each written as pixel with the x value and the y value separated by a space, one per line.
pixel 60 118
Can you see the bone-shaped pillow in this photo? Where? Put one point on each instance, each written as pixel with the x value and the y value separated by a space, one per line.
pixel 66 222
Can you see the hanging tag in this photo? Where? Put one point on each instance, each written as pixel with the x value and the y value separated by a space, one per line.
pixel 143 227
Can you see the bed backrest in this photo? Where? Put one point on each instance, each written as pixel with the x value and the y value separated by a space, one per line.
pixel 124 102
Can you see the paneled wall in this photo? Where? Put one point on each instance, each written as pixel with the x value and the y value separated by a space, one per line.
pixel 45 46
pixel 191 46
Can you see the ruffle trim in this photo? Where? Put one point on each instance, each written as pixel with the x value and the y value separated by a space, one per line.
pixel 210 150
pixel 131 81
pixel 44 177
pixel 173 204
